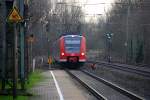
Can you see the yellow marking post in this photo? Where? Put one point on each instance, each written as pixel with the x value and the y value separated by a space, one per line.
pixel 50 60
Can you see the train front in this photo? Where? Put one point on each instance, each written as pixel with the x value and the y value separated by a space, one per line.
pixel 73 50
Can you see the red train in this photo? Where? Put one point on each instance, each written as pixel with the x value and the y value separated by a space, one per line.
pixel 70 49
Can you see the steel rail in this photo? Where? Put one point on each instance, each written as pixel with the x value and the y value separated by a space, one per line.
pixel 90 89
pixel 123 68
pixel 115 87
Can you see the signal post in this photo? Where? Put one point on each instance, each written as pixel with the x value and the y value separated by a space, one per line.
pixel 15 18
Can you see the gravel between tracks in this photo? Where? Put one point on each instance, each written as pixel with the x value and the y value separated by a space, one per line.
pixel 135 83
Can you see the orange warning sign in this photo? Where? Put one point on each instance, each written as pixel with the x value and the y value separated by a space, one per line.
pixel 14 15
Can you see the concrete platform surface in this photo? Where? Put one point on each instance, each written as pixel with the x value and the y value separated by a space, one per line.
pixel 58 85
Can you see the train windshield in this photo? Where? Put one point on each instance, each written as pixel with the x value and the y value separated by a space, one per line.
pixel 72 44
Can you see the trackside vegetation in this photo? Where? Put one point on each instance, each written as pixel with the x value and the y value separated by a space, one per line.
pixel 34 78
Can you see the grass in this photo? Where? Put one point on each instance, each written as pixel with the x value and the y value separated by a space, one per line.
pixel 11 98
pixel 34 78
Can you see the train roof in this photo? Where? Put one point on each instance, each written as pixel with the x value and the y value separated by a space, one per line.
pixel 72 36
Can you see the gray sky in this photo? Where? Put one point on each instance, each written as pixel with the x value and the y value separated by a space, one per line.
pixel 99 6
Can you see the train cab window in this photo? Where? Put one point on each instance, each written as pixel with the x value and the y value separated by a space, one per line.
pixel 72 44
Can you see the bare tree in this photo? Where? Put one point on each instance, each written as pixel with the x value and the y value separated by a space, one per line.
pixel 50 20
pixel 129 23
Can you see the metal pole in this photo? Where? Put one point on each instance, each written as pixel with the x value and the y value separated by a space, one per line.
pixel 3 43
pixel 28 58
pixel 127 32
pixel 15 70
pixel 31 55
pixel 49 52
pixel 109 50
pixel 21 7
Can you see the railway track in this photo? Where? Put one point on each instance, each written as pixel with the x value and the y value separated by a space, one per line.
pixel 124 68
pixel 100 88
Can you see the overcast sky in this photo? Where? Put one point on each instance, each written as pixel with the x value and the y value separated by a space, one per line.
pixel 95 9
pixel 99 6
pixel 92 8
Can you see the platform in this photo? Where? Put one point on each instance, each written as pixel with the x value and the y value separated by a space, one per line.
pixel 58 85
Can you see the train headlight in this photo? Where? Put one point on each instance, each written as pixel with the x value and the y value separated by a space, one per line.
pixel 82 54
pixel 62 54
